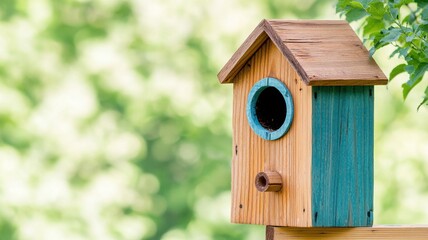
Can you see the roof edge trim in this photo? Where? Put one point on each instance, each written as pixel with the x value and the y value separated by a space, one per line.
pixel 259 35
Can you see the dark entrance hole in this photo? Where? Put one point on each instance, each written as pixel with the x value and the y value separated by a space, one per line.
pixel 271 109
pixel 261 182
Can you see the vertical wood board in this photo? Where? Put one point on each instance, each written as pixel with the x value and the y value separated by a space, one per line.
pixel 290 155
pixel 342 156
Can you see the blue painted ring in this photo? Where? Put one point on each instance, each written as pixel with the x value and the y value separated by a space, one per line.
pixel 253 96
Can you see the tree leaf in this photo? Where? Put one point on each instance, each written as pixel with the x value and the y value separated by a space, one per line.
pixel 376 9
pixel 404 51
pixel 392 36
pixel 395 52
pixel 424 14
pixel 421 3
pixel 385 24
pixel 410 69
pixel 364 3
pixel 397 70
pixel 410 38
pixel 355 14
pixel 425 100
pixel 373 26
pixel 372 51
pixel 356 4
pixel 415 78
pixel 394 12
pixel 410 19
pixel 342 6
pixel 400 3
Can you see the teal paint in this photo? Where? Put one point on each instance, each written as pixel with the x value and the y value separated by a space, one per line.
pixel 253 96
pixel 342 156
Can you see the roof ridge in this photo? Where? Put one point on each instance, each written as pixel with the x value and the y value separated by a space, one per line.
pixel 276 39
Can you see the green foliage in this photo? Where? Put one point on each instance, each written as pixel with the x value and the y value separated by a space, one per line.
pixel 397 70
pixel 114 126
pixel 112 122
pixel 400 23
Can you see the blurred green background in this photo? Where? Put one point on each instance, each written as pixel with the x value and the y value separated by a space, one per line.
pixel 113 124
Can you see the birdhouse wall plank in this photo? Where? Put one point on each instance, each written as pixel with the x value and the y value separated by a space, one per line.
pixel 342 156
pixel 290 155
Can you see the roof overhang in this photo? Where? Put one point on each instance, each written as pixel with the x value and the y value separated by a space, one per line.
pixel 323 52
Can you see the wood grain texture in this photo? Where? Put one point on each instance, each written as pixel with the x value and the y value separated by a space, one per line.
pixel 290 155
pixel 322 52
pixel 342 156
pixel 376 232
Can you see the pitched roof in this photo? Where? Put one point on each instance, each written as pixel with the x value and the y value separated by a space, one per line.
pixel 323 52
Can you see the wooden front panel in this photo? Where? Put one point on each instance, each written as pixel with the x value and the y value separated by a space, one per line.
pixel 289 155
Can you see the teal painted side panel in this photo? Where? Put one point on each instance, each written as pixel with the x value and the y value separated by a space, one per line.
pixel 342 156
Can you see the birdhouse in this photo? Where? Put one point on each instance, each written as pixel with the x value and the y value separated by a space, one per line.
pixel 302 125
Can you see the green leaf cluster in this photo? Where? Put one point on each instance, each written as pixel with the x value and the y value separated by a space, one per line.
pixel 400 23
pixel 113 125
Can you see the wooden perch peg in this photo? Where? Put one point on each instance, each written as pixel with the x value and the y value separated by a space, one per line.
pixel 268 182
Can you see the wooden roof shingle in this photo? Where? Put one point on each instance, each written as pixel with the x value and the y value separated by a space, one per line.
pixel 323 52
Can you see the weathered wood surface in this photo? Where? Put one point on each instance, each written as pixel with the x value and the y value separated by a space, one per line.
pixel 290 155
pixel 342 156
pixel 322 52
pixel 410 232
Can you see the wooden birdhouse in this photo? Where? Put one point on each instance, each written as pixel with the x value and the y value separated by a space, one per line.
pixel 302 125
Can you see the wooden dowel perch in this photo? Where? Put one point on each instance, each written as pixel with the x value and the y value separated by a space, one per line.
pixel 268 182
